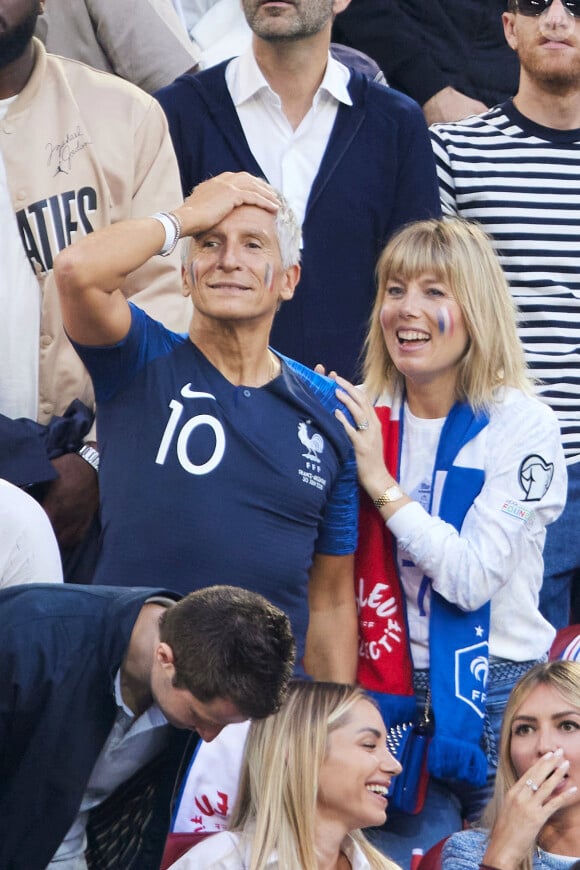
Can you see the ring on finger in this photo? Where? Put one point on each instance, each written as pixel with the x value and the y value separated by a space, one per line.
pixel 531 784
pixel 362 427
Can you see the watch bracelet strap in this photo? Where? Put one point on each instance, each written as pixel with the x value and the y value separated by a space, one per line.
pixel 90 456
pixel 391 494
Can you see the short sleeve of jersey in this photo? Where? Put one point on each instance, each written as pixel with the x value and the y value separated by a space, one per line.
pixel 338 531
pixel 112 368
pixel 339 527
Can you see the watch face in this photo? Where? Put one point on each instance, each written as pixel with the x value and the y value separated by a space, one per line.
pixel 393 493
pixel 389 495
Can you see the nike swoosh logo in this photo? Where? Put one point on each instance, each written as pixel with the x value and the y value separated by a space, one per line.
pixel 188 393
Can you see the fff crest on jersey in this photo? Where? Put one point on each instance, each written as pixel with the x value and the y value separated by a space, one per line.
pixel 314 442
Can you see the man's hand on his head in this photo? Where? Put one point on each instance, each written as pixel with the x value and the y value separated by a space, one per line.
pixel 211 201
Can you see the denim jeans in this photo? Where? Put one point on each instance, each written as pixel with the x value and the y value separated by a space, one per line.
pixel 562 559
pixel 450 802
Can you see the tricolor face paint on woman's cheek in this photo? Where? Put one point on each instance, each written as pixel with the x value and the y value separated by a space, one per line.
pixel 445 321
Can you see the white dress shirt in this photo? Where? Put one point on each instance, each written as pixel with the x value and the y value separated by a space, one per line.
pixel 289 158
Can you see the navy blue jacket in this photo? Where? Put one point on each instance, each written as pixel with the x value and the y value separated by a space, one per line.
pixel 377 173
pixel 61 648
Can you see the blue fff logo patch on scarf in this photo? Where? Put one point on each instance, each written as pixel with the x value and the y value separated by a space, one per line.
pixel 471 672
pixel 535 476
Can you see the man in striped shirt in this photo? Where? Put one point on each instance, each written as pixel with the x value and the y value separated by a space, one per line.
pixel 516 170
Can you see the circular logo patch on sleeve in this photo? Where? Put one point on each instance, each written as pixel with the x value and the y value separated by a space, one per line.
pixel 535 476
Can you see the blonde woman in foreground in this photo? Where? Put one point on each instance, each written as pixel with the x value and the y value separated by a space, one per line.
pixel 312 776
pixel 533 820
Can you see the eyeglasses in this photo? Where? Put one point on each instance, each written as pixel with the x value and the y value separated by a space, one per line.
pixel 536 7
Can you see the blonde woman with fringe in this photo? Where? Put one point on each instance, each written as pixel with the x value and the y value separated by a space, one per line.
pixel 462 469
pixel 313 774
pixel 533 820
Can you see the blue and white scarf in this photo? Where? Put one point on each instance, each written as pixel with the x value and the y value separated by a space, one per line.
pixel 458 640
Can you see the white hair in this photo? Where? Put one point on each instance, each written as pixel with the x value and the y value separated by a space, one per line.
pixel 288 234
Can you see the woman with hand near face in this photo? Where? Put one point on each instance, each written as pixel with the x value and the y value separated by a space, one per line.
pixel 533 820
pixel 463 469
pixel 313 774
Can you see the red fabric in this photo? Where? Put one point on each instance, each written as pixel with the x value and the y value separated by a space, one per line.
pixel 177 844
pixel 431 860
pixel 384 660
pixel 564 636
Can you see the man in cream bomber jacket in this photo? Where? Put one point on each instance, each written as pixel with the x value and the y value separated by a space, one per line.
pixel 79 150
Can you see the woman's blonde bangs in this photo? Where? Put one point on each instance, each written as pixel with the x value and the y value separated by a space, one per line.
pixel 416 250
pixel 459 254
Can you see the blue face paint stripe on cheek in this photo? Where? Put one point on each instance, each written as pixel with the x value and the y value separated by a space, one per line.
pixel 193 272
pixel 445 321
pixel 268 276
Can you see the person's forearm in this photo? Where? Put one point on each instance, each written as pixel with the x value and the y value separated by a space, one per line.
pixel 90 273
pixel 103 259
pixel 332 638
pixel 332 645
pixel 449 104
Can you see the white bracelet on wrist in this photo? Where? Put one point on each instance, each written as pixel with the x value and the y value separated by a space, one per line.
pixel 172 226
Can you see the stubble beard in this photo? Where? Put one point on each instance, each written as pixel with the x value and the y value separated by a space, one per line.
pixel 558 82
pixel 14 42
pixel 551 75
pixel 275 26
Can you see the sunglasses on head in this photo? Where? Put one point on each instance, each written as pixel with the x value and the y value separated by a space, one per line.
pixel 536 7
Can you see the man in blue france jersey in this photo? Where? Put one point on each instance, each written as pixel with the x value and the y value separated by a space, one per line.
pixel 221 461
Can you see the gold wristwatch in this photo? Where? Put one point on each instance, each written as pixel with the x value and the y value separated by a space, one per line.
pixel 392 493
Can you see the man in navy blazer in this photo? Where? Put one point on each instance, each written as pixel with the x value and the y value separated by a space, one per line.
pixel 99 685
pixel 351 156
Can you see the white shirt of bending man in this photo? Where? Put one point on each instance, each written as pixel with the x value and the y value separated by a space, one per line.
pixel 131 744
pixel 289 158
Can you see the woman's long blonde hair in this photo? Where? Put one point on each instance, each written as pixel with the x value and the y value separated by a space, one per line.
pixel 459 254
pixel 564 677
pixel 276 805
